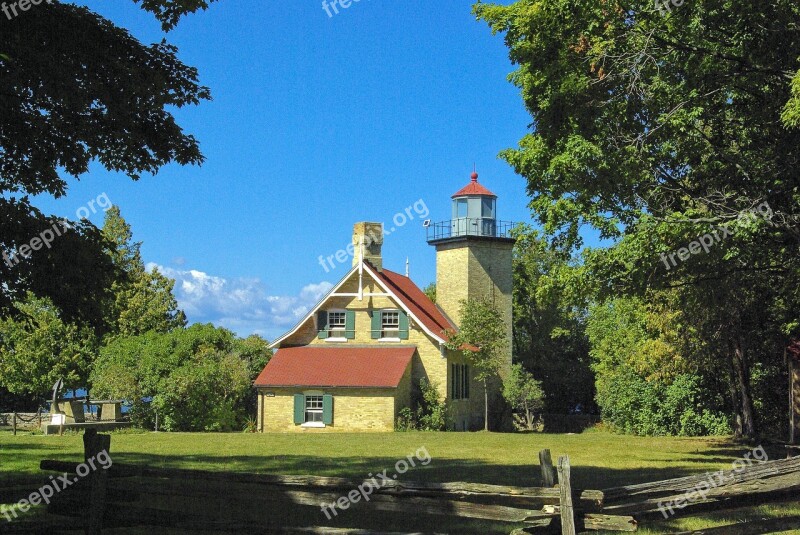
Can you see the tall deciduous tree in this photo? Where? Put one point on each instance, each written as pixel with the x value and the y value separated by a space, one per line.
pixel 550 323
pixel 75 88
pixel 657 127
pixel 481 338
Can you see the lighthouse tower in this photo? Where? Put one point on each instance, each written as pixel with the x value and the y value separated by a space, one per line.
pixel 474 256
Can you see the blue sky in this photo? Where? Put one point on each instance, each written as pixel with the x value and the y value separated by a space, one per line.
pixel 317 122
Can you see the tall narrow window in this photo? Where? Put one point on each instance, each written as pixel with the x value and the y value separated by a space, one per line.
pixel 459 385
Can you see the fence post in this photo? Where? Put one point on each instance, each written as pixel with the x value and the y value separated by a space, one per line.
pixel 93 444
pixel 14 423
pixel 565 488
pixel 548 473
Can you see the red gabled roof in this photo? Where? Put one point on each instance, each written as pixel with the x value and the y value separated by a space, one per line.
pixel 322 366
pixel 417 302
pixel 473 188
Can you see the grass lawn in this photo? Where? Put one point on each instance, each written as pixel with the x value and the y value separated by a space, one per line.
pixel 599 460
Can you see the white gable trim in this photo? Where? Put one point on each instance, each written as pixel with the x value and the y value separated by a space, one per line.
pixel 314 310
pixel 402 305
pixel 333 292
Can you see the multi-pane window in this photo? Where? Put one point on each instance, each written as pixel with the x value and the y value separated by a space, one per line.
pixel 459 381
pixel 337 323
pixel 390 324
pixel 313 409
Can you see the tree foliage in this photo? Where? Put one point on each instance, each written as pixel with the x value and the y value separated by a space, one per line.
pixel 645 386
pixel 661 127
pixel 481 338
pixel 550 323
pixel 196 379
pixel 143 300
pixel 525 395
pixel 75 88
pixel 38 346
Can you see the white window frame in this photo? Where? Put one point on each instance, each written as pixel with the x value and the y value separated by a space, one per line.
pixel 343 329
pixel 308 395
pixel 384 330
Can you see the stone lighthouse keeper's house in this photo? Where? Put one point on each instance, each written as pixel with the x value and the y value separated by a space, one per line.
pixel 356 359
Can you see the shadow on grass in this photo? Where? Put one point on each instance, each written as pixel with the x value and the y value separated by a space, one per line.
pixel 228 506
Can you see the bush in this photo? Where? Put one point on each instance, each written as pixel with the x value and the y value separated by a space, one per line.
pixel 526 397
pixel 630 404
pixel 430 413
pixel 195 379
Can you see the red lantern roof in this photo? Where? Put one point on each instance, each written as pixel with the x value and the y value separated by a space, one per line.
pixel 473 188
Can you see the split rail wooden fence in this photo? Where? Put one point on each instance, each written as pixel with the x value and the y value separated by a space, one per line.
pixel 196 501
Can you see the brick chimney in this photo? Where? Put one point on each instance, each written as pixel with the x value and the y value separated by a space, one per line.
pixel 368 237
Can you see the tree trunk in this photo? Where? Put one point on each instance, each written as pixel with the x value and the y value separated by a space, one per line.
pixel 485 405
pixel 742 371
pixel 736 405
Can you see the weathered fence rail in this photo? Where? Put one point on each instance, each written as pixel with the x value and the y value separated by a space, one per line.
pixel 144 496
pixel 126 496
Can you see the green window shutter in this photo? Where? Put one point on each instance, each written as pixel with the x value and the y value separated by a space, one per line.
pixel 452 381
pixel 327 409
pixel 299 409
pixel 403 326
pixel 466 382
pixel 350 324
pixel 377 323
pixel 322 324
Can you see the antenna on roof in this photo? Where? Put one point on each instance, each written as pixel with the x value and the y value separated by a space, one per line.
pixel 406 267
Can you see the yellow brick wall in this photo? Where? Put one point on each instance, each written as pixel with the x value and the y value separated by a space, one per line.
pixel 354 409
pixel 476 269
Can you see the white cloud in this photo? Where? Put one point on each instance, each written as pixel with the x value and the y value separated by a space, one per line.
pixel 242 304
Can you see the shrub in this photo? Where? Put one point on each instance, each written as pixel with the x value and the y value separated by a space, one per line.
pixel 526 397
pixel 429 413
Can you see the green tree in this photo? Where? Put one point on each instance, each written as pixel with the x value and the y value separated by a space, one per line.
pixel 657 129
pixel 430 291
pixel 550 308
pixel 481 338
pixel 143 301
pixel 645 384
pixel 196 379
pixel 37 347
pixel 75 88
pixel 525 395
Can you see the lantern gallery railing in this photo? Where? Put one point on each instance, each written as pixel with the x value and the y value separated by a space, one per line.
pixel 483 227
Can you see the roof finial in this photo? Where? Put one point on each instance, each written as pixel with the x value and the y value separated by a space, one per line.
pixel 474 175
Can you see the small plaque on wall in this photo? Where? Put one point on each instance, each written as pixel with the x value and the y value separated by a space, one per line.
pixel 270 394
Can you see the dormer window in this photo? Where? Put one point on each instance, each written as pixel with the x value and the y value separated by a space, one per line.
pixel 336 325
pixel 389 325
